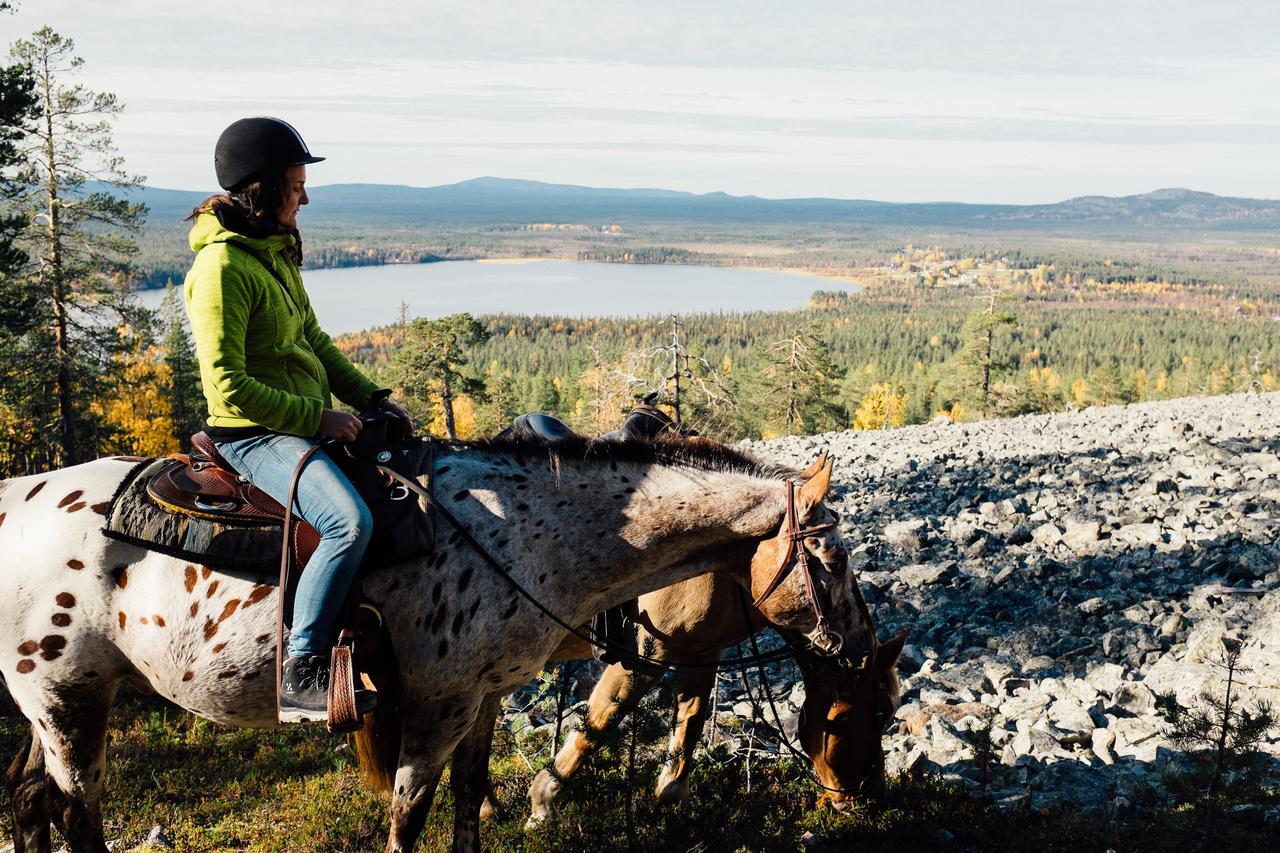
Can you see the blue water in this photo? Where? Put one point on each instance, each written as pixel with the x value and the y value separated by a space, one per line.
pixel 359 297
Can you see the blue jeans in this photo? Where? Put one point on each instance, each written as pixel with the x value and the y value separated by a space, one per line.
pixel 326 500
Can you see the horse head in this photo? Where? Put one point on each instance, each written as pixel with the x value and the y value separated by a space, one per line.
pixel 845 713
pixel 800 577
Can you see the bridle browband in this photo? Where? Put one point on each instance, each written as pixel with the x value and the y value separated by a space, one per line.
pixel 798 554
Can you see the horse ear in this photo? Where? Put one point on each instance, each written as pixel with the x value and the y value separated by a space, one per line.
pixel 887 654
pixel 816 466
pixel 812 492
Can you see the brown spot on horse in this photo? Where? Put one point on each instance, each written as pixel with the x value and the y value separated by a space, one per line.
pixel 101 508
pixel 205 571
pixel 35 491
pixel 65 599
pixel 189 578
pixel 75 564
pixel 121 576
pixel 188 675
pixel 122 619
pixel 51 646
pixel 218 648
pixel 213 587
pixel 195 608
pixel 158 619
pixel 229 609
pixel 60 620
pixel 260 591
pixel 26 665
pixel 71 498
pixel 210 628
pixel 2 515
pixel 28 648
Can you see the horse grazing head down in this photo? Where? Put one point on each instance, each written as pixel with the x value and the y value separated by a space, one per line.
pixel 845 713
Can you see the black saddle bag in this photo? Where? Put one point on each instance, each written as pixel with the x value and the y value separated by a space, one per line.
pixel 402 520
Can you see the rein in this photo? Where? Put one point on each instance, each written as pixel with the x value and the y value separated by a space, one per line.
pixel 286 565
pixel 627 654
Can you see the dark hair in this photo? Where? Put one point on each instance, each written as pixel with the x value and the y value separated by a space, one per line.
pixel 250 209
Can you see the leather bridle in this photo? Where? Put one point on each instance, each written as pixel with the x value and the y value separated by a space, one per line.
pixel 798 554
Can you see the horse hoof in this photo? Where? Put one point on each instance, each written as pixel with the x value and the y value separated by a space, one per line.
pixel 672 792
pixel 534 823
pixel 489 809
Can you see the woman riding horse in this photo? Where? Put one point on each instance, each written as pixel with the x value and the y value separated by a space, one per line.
pixel 268 370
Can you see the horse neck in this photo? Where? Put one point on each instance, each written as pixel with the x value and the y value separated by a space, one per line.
pixel 630 528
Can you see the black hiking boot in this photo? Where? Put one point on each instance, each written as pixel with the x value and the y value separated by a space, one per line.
pixel 304 691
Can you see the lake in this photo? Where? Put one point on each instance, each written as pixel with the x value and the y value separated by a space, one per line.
pixel 355 298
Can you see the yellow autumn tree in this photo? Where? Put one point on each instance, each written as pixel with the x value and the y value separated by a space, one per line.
pixel 464 418
pixel 882 406
pixel 139 411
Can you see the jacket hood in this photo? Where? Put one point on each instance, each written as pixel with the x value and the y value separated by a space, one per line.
pixel 208 229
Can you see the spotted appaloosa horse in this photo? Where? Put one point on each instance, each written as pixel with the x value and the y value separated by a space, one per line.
pixel 693 622
pixel 583 526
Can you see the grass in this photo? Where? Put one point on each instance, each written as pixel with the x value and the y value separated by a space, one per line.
pixel 297 790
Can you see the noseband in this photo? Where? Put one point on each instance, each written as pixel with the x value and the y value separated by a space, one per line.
pixel 798 554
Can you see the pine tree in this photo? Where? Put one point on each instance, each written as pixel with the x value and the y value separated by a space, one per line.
pixel 1223 735
pixel 185 397
pixel 797 385
pixel 428 366
pixel 17 115
pixel 81 239
pixel 17 300
pixel 967 380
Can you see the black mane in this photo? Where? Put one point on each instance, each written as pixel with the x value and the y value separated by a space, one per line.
pixel 699 453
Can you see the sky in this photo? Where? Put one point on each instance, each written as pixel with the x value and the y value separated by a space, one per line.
pixel 914 100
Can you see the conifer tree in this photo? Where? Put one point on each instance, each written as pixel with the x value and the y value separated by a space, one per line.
pixel 429 365
pixel 185 397
pixel 81 239
pixel 797 385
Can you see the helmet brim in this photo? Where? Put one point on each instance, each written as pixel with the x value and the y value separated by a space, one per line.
pixel 308 161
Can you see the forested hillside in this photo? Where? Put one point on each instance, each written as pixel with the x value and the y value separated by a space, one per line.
pixel 1040 331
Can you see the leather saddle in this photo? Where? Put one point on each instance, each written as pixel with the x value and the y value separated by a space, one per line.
pixel 204 485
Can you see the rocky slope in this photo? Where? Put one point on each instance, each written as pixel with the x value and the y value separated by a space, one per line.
pixel 1055 572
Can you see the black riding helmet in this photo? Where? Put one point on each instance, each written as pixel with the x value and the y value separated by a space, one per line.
pixel 256 145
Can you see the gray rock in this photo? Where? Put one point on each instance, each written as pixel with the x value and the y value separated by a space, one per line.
pixel 1101 741
pixel 909 535
pixel 1135 698
pixel 1081 535
pixel 923 574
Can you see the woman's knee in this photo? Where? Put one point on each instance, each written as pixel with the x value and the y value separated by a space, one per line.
pixel 348 519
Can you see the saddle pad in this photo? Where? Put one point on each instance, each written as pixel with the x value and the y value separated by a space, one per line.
pixel 133 517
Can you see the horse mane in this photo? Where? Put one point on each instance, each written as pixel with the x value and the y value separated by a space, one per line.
pixel 696 452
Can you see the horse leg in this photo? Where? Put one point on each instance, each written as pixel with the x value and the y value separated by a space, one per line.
pixel 490 808
pixel 430 735
pixel 469 777
pixel 25 782
pixel 693 693
pixel 616 695
pixel 74 734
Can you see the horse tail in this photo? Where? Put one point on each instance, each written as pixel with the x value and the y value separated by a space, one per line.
pixel 378 744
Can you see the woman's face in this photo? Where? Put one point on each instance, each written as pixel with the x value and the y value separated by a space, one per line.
pixel 295 195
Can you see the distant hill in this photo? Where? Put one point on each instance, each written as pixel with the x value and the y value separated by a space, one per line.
pixel 506 201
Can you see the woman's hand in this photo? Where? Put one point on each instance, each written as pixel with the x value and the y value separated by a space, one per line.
pixel 400 412
pixel 339 424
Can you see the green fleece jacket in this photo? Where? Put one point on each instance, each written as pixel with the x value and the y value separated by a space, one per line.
pixel 263 359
